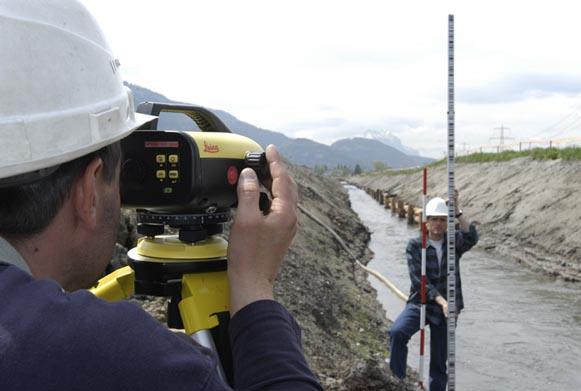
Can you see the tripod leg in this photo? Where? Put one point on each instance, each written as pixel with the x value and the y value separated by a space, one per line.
pixel 204 307
pixel 204 338
pixel 174 318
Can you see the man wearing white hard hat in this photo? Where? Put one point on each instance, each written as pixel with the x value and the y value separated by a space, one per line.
pixel 408 322
pixel 63 109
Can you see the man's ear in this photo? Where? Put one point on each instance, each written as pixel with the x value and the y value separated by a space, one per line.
pixel 85 194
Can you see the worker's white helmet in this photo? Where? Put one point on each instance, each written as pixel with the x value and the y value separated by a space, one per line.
pixel 61 93
pixel 436 207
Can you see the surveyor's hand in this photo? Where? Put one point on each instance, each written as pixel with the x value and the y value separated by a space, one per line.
pixel 259 242
pixel 444 304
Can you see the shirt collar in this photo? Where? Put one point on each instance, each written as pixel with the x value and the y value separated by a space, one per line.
pixel 9 255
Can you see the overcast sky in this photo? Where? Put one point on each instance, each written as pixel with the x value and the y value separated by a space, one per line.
pixel 327 70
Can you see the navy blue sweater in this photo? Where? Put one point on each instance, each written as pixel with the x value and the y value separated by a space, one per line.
pixel 53 340
pixel 437 275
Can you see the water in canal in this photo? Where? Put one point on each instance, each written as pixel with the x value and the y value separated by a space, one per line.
pixel 519 330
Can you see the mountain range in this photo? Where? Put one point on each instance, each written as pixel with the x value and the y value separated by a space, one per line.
pixel 388 138
pixel 363 151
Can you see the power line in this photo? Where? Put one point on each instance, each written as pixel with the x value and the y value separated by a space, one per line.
pixel 574 123
pixel 565 118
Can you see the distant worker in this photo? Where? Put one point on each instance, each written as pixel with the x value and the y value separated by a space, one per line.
pixel 63 109
pixel 408 322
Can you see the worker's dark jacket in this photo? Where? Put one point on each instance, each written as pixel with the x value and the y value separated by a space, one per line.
pixel 53 340
pixel 437 276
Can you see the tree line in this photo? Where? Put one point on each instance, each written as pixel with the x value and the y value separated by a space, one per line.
pixel 343 170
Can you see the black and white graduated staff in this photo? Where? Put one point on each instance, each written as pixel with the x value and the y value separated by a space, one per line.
pixel 408 322
pixel 63 109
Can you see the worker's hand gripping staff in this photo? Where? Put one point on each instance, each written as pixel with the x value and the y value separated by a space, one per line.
pixel 259 241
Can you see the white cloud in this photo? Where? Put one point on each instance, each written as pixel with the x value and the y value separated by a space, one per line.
pixel 332 69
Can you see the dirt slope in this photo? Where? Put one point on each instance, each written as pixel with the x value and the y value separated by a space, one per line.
pixel 344 327
pixel 528 209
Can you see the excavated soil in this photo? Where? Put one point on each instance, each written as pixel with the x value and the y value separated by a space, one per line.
pixel 527 209
pixel 344 327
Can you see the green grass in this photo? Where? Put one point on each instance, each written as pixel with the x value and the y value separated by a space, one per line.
pixel 492 157
pixel 570 153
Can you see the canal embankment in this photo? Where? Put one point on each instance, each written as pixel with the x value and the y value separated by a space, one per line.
pixel 527 210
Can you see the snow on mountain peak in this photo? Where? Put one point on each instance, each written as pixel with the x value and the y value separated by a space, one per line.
pixel 388 138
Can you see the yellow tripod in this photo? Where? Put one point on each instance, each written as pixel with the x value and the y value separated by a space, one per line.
pixel 193 275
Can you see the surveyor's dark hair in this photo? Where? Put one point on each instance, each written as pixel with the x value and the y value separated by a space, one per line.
pixel 28 209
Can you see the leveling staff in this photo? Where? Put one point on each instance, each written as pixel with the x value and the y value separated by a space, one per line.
pixel 62 111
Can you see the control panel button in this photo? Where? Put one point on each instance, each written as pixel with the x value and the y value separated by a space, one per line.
pixel 173 158
pixel 174 174
pixel 160 158
pixel 160 174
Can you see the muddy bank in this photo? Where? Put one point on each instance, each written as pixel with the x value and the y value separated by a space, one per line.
pixel 344 326
pixel 527 209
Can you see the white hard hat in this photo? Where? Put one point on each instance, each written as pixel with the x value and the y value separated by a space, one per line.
pixel 61 93
pixel 436 207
